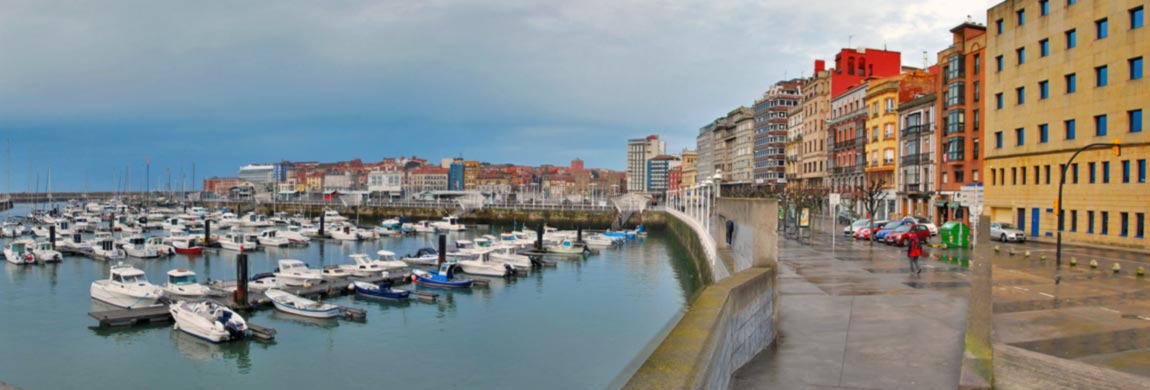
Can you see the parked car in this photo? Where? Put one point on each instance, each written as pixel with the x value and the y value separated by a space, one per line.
pixel 929 225
pixel 1006 232
pixel 854 227
pixel 881 234
pixel 865 232
pixel 905 233
pixel 846 216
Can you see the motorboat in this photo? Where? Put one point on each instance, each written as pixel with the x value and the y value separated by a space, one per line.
pixel 366 234
pixel 253 220
pixel 208 320
pixel 103 247
pixel 624 234
pixel 296 273
pixel 507 255
pixel 444 277
pixel 424 256
pixel 365 267
pixel 386 231
pixel 126 287
pixel 295 235
pixel 332 216
pixel 482 266
pixel 46 253
pixel 236 241
pixel 334 272
pixel 567 246
pixel 280 219
pixel 74 242
pixel 420 227
pixel 264 281
pixel 600 241
pixel 182 283
pixel 227 220
pixel 449 223
pixel 343 232
pixel 511 239
pixel 20 252
pixel 186 245
pixel 157 244
pixel 380 291
pixel 271 237
pixel 136 246
pixel 293 304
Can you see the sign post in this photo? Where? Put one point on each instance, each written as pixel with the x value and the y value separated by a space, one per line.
pixel 971 196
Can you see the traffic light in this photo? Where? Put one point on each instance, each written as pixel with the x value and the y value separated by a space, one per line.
pixel 1117 147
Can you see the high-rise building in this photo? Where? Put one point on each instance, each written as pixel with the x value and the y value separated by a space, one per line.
pixel 1068 77
pixel 917 143
pixel 794 140
pixel 455 175
pixel 771 112
pixel 960 110
pixel 813 143
pixel 881 132
pixel 639 150
pixel 704 147
pixel 741 147
pixel 658 171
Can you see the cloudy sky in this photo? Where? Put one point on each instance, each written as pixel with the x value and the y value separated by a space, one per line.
pixel 93 88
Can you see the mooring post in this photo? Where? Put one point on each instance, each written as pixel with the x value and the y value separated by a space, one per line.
pixel 208 233
pixel 52 235
pixel 442 250
pixel 241 295
pixel 321 223
pixel 112 223
pixel 578 232
pixel 539 238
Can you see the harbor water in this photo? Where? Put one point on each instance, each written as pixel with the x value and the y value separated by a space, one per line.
pixel 584 324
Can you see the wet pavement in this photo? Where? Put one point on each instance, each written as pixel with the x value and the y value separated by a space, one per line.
pixel 853 317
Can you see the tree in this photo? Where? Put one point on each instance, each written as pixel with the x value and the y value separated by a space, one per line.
pixel 871 194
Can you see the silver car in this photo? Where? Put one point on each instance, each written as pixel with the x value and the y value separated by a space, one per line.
pixel 1006 232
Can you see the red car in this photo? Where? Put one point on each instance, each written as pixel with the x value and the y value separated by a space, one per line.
pixel 865 233
pixel 906 233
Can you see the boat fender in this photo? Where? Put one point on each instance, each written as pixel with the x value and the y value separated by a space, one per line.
pixel 351 286
pixel 414 278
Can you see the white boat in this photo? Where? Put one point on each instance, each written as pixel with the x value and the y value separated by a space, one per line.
pixel 227 220
pixel 507 255
pixel 366 234
pixel 208 320
pixel 20 252
pixel 449 223
pixel 332 216
pixel 334 272
pixel 386 231
pixel 80 224
pixel 600 241
pixel 126 287
pixel 74 242
pixel 103 247
pixel 265 283
pixel 136 246
pixel 186 245
pixel 157 244
pixel 420 227
pixel 173 224
pixel 343 232
pixel 271 237
pixel 365 267
pixel 182 283
pixel 253 220
pixel 235 241
pixel 292 304
pixel 567 246
pixel 483 266
pixel 44 253
pixel 510 239
pixel 424 256
pixel 295 273
pixel 295 235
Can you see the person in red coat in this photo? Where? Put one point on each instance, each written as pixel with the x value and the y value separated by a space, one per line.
pixel 914 251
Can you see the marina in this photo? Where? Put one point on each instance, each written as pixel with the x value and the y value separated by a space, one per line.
pixel 519 317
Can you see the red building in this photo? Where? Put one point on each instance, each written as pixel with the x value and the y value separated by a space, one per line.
pixel 674 178
pixel 853 66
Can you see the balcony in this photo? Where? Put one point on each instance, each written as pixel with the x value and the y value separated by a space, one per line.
pixel 910 159
pixel 954 127
pixel 915 130
pixel 912 188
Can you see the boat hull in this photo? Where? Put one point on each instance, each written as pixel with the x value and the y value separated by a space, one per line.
pixel 310 313
pixel 380 293
pixel 103 293
pixel 190 251
pixel 441 284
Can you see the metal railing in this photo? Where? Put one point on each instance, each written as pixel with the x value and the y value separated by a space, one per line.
pixel 697 203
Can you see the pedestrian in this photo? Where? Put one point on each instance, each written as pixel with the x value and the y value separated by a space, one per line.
pixel 914 251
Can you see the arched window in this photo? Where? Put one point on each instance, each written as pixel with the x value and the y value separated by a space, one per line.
pixel 851 65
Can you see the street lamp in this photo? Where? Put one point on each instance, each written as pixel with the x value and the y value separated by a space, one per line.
pixel 1117 145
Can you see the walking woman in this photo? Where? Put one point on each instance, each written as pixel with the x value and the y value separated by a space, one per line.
pixel 914 251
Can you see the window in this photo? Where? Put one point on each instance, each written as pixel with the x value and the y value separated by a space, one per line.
pixel 1021 16
pixel 1021 52
pixel 976 120
pixel 977 63
pixel 1100 76
pixel 1043 89
pixel 1073 220
pixel 1125 171
pixel 974 175
pixel 1124 222
pixel 1101 26
pixel 1072 83
pixel 1021 92
pixel 1071 38
pixel 1135 68
pixel 1070 2
pixel 1044 7
pixel 1044 48
pixel 993 177
pixel 1074 172
pixel 1100 125
pixel 1090 167
pixel 1070 125
pixel 1134 118
pixel 1139 225
pixel 998 100
pixel 1023 174
pixel 1014 176
pixel 1105 222
pixel 1043 133
pixel 1090 221
pixel 976 149
pixel 998 63
pixel 1019 136
pixel 998 140
pixel 1046 171
pixel 1141 171
pixel 1037 176
pixel 959 176
pixel 998 26
pixel 1105 172
pixel 1136 18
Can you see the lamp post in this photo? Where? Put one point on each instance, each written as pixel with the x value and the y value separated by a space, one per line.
pixel 1117 145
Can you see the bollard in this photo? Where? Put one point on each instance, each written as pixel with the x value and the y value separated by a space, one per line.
pixel 539 238
pixel 579 233
pixel 1140 271
pixel 1073 261
pixel 442 250
pixel 321 223
pixel 1093 263
pixel 1116 267
pixel 52 235
pixel 112 223
pixel 241 295
pixel 207 233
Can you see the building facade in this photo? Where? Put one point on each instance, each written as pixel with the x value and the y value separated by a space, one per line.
pixel 960 111
pixel 742 171
pixel 847 141
pixel 794 140
pixel 704 145
pixel 771 125
pixel 812 147
pixel 688 171
pixel 658 172
pixel 881 134
pixel 1065 77
pixel 640 150
pixel 916 169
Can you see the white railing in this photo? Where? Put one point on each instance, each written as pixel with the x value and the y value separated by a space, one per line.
pixel 697 203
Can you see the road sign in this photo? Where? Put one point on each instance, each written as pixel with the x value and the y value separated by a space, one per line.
pixel 835 199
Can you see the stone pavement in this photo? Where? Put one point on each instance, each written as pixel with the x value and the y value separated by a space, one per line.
pixel 853 317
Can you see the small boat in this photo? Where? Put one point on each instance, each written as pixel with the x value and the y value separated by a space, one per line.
pixel 295 235
pixel 421 227
pixel 600 241
pixel 182 283
pixel 187 245
pixel 343 232
pixel 136 246
pixel 45 253
pixel 252 219
pixel 367 268
pixel 157 244
pixel 334 272
pixel 381 291
pixel 235 241
pixel 103 247
pixel 296 273
pixel 293 304
pixel 567 246
pixel 443 278
pixel 625 234
pixel 208 320
pixel 507 255
pixel 264 281
pixel 449 223
pixel 126 287
pixel 271 237
pixel 483 266
pixel 424 256
pixel 20 252
pixel 332 216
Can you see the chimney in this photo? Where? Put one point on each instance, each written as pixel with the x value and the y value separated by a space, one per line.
pixel 820 66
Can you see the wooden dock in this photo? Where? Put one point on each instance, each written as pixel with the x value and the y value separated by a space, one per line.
pixel 130 317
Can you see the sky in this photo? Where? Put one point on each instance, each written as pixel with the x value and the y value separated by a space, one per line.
pixel 92 90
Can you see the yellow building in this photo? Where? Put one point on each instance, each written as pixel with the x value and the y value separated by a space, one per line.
pixel 1058 78
pixel 882 133
pixel 315 182
pixel 690 159
pixel 470 175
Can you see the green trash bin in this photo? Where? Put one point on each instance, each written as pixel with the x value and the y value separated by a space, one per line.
pixel 955 234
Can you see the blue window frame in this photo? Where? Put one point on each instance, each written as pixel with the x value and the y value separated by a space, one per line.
pixel 1090 221
pixel 1125 171
pixel 998 63
pixel 1043 89
pixel 1141 171
pixel 1020 136
pixel 1135 68
pixel 1134 118
pixel 1043 133
pixel 1137 18
pixel 1044 47
pixel 1105 172
pixel 1124 224
pixel 1139 224
pixel 998 100
pixel 1021 16
pixel 1071 2
pixel 1044 7
pixel 1070 128
pixel 1021 52
pixel 998 24
pixel 1072 83
pixel 1105 222
pixel 1021 92
pixel 1071 38
pixel 1102 26
pixel 998 140
pixel 1100 125
pixel 1101 76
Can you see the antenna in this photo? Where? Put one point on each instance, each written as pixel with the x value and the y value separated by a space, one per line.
pixel 850 38
pixel 924 60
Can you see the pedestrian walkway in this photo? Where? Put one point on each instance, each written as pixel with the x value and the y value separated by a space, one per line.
pixel 852 316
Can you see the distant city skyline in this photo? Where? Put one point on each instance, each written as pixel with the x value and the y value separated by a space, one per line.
pixel 90 90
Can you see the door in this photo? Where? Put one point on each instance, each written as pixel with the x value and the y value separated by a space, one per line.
pixel 1034 222
pixel 1021 220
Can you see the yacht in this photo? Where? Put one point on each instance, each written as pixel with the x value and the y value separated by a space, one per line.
pixel 295 235
pixel 482 265
pixel 296 273
pixel 136 246
pixel 449 223
pixel 103 247
pixel 332 216
pixel 20 252
pixel 126 287
pixel 272 237
pixel 365 267
pixel 343 232
pixel 253 220
pixel 236 241
pixel 182 283
pixel 208 320
pixel 45 253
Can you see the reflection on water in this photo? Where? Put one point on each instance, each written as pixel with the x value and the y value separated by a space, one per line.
pixel 323 323
pixel 197 349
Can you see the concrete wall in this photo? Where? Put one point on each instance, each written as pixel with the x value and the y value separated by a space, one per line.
pixel 1017 368
pixel 733 319
pixel 563 219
